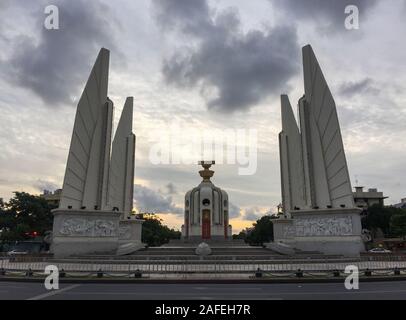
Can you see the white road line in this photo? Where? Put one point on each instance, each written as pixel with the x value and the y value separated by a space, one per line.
pixel 54 292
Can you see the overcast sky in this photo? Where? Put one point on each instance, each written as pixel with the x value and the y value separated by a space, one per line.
pixel 205 65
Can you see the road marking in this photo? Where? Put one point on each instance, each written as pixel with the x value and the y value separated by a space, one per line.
pixel 54 292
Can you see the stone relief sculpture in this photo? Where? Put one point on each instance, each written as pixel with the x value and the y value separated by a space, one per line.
pixel 87 228
pixel 75 227
pixel 104 228
pixel 289 231
pixel 308 227
pixel 124 232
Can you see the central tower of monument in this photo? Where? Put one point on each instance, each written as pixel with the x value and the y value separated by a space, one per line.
pixel 206 210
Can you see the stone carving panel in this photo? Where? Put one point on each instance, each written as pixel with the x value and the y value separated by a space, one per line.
pixel 314 227
pixel 289 231
pixel 83 227
pixel 104 228
pixel 125 232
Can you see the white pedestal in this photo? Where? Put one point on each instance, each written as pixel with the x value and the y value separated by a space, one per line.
pixel 330 231
pixel 84 232
pixel 130 231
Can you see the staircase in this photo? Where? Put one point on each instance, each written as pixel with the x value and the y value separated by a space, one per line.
pixel 220 254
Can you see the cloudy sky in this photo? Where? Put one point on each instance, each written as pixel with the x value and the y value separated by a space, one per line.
pixel 201 65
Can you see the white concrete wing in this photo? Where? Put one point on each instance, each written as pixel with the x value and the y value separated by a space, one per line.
pixel 121 178
pixel 324 157
pixel 85 183
pixel 291 161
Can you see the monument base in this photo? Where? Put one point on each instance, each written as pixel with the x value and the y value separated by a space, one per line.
pixel 130 231
pixel 329 231
pixel 88 232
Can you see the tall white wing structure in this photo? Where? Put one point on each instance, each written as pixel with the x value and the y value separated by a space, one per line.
pixel 121 180
pixel 291 160
pixel 313 165
pixel 323 148
pixel 94 215
pixel 85 182
pixel 318 206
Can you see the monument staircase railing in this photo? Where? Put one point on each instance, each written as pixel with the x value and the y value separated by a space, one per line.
pixel 220 269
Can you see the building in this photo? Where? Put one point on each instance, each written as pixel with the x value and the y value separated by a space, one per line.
pixel 365 199
pixel 401 205
pixel 53 198
pixel 206 210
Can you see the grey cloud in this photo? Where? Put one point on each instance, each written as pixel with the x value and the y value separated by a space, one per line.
pixel 191 17
pixel 358 87
pixel 42 185
pixel 55 65
pixel 149 200
pixel 326 13
pixel 371 106
pixel 234 70
pixel 234 211
pixel 171 188
pixel 252 214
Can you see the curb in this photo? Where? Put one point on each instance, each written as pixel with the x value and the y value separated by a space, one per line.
pixel 204 281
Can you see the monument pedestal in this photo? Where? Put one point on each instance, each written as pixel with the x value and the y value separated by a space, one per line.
pixel 84 232
pixel 87 232
pixel 330 231
pixel 130 231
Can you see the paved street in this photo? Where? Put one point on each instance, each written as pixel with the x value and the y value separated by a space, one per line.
pixel 334 291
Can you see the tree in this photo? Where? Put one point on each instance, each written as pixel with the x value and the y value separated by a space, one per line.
pixel 378 217
pixel 241 236
pixel 23 215
pixel 388 219
pixel 398 224
pixel 262 232
pixel 154 233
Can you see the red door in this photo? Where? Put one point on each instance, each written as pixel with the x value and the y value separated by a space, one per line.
pixel 206 225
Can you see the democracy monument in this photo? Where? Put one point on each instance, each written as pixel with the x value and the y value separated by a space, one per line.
pixel 94 215
pixel 318 205
pixel 95 211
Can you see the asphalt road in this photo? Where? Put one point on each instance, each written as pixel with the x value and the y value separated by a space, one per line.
pixel 330 291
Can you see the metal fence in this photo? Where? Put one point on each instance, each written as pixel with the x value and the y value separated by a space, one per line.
pixel 213 269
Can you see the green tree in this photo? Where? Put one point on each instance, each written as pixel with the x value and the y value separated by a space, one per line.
pixel 262 232
pixel 241 236
pixel 154 233
pixel 388 219
pixel 23 215
pixel 378 217
pixel 398 224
